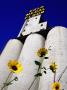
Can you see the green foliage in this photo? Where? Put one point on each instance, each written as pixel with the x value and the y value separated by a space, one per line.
pixel 43 68
pixel 45 72
pixel 38 74
pixel 16 78
pixel 38 63
pixel 45 57
pixel 7 84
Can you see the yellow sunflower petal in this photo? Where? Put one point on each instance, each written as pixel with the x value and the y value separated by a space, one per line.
pixel 53 67
pixel 42 52
pixel 56 86
pixel 15 66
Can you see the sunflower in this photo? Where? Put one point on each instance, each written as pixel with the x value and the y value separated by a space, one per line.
pixel 42 52
pixel 53 67
pixel 56 86
pixel 15 66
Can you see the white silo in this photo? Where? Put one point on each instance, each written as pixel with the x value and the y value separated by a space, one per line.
pixel 11 52
pixel 27 58
pixel 57 41
pixel 33 42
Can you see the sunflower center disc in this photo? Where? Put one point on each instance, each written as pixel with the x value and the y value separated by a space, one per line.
pixel 42 54
pixel 57 87
pixel 14 68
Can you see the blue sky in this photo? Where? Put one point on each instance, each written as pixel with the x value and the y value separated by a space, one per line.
pixel 12 14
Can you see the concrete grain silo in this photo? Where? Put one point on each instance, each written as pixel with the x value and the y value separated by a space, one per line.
pixel 33 42
pixel 57 41
pixel 11 52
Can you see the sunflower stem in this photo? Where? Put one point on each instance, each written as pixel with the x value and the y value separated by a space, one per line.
pixel 3 87
pixel 11 81
pixel 54 76
pixel 32 83
pixel 37 72
pixel 8 76
pixel 34 78
pixel 62 73
pixel 6 81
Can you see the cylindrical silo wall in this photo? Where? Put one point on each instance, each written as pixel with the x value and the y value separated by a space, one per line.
pixel 10 52
pixel 57 41
pixel 27 58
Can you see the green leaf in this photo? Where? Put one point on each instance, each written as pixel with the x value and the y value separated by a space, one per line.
pixel 46 57
pixel 37 63
pixel 38 74
pixel 43 68
pixel 16 78
pixel 7 84
pixel 45 72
